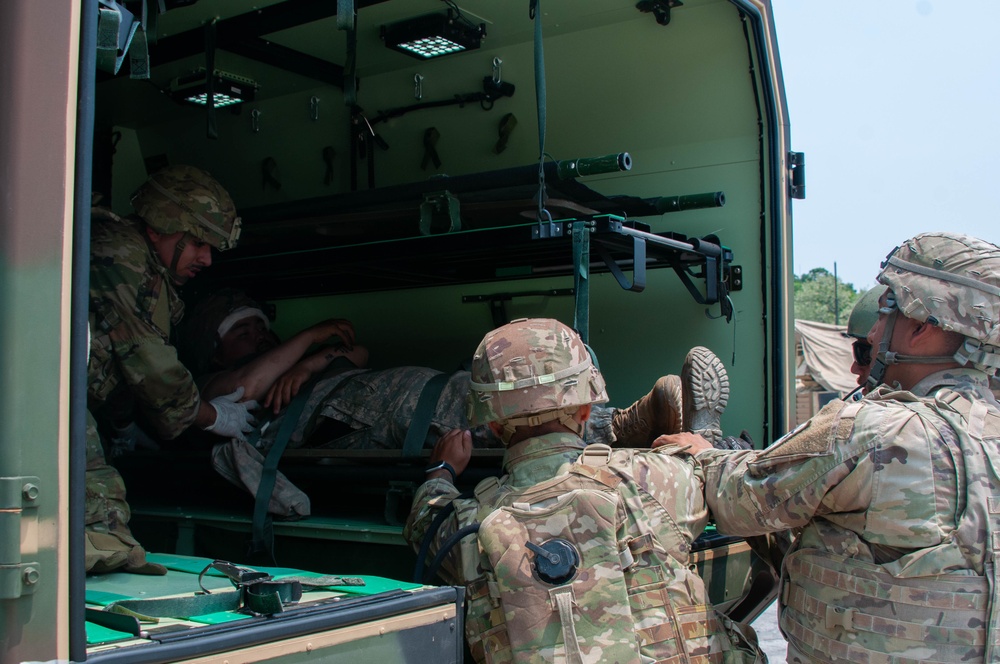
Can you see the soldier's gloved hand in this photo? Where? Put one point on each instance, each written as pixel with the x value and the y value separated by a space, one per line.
pixel 128 437
pixel 744 442
pixel 232 416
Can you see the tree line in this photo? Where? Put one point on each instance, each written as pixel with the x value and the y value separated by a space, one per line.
pixel 820 297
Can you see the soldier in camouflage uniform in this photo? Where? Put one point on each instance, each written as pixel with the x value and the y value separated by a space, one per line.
pixel 894 500
pixel 863 317
pixel 582 552
pixel 137 263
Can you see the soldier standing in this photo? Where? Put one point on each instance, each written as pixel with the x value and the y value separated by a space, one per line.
pixel 894 500
pixel 137 263
pixel 582 551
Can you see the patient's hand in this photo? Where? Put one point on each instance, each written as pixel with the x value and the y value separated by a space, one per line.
pixel 286 387
pixel 335 327
pixel 455 447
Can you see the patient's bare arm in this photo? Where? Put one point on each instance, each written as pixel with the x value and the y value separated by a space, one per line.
pixel 288 384
pixel 257 376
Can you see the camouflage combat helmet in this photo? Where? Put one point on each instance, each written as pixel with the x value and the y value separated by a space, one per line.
pixel 532 371
pixel 185 198
pixel 198 333
pixel 951 281
pixel 864 314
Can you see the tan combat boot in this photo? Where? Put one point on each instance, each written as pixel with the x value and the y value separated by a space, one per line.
pixel 657 413
pixel 705 386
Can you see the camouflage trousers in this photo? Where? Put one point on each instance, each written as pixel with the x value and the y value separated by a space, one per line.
pixel 110 545
pixel 377 407
pixel 373 410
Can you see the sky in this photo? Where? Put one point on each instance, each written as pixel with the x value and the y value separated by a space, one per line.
pixel 896 105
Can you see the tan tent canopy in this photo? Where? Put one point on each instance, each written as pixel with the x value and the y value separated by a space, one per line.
pixel 824 356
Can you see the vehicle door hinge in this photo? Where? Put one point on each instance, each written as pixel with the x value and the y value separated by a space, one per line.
pixel 797 174
pixel 19 498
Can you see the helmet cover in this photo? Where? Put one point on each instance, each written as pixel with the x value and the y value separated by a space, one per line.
pixel 864 314
pixel 951 281
pixel 531 366
pixel 185 198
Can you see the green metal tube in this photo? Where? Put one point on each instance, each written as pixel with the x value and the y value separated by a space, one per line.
pixel 609 163
pixel 711 199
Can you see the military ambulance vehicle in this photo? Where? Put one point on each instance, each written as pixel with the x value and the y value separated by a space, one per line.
pixel 426 169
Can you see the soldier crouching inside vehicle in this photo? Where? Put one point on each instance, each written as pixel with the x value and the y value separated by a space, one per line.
pixel 136 265
pixel 577 553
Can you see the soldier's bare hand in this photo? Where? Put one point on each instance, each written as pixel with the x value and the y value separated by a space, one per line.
pixel 684 439
pixel 455 447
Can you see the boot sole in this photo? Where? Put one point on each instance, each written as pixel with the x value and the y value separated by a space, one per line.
pixel 706 393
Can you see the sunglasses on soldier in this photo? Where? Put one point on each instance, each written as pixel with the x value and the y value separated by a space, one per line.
pixel 862 352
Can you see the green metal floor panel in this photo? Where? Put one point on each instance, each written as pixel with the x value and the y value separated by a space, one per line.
pixel 182 578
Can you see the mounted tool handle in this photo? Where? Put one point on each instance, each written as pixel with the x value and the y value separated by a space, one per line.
pixel 711 199
pixel 609 163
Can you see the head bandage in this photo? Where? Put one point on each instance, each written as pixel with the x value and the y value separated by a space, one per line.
pixel 238 314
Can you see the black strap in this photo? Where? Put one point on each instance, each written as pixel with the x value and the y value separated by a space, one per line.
pixel 425 544
pixel 431 137
pixel 416 434
pixel 211 129
pixel 262 531
pixel 447 546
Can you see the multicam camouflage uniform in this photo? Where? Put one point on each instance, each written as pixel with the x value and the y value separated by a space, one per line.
pixel 629 515
pixel 882 521
pixel 895 499
pixel 661 494
pixel 133 304
pixel 109 542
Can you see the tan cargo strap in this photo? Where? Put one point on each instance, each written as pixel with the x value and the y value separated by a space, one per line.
pixel 697 622
pixel 563 601
pixel 965 593
pixel 961 600
pixel 835 651
pixel 851 619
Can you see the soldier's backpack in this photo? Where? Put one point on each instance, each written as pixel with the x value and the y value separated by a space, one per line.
pixel 573 572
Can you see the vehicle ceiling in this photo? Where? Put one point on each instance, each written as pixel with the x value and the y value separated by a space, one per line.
pixel 309 27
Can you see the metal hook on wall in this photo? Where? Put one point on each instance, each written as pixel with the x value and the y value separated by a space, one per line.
pixel 496 69
pixel 418 86
pixel 255 120
pixel 314 107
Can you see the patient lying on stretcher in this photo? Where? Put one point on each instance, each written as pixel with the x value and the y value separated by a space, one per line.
pixel 227 343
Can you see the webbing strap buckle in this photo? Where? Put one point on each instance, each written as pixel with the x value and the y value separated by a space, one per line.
pixel 597 454
pixel 838 616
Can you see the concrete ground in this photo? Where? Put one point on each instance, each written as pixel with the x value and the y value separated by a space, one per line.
pixel 769 636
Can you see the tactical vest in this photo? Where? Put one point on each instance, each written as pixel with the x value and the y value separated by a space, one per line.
pixel 574 571
pixel 842 609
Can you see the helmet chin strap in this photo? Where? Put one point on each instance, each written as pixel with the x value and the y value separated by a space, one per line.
pixel 885 357
pixel 178 250
pixel 882 360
